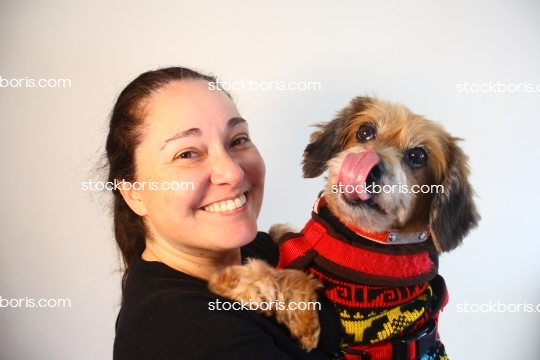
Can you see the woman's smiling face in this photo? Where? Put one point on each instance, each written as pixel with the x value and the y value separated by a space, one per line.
pixel 193 134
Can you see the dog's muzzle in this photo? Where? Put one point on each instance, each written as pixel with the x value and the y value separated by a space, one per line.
pixel 358 169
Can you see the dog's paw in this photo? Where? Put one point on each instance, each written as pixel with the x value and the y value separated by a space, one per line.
pixel 256 282
pixel 277 230
pixel 308 335
pixel 300 313
pixel 290 296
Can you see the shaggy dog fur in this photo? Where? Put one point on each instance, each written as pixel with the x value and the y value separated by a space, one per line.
pixel 395 147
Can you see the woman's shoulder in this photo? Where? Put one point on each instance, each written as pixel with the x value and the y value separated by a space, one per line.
pixel 192 325
pixel 149 279
pixel 166 313
pixel 153 286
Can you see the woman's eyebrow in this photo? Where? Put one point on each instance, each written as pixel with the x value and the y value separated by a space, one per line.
pixel 235 121
pixel 187 133
pixel 198 132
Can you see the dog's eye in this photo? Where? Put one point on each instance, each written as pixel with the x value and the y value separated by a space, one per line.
pixel 417 157
pixel 365 133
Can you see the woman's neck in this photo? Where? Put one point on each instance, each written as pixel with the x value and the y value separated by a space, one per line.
pixel 195 262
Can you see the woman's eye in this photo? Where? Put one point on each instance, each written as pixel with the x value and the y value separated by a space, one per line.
pixel 240 141
pixel 365 133
pixel 186 155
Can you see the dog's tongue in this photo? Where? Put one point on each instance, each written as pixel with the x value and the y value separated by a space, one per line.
pixel 354 171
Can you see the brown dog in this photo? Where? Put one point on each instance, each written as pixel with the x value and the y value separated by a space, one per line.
pixel 397 194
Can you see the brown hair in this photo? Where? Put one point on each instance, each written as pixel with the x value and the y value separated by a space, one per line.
pixel 125 134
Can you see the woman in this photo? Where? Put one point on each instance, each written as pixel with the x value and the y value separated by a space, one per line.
pixel 168 126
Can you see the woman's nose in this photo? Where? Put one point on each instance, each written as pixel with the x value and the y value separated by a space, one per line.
pixel 226 169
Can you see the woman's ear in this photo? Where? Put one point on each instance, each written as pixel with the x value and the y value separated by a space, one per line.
pixel 132 197
pixel 453 212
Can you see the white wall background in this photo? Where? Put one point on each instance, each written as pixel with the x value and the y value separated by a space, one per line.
pixel 56 240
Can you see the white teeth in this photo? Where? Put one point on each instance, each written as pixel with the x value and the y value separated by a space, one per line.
pixel 227 205
pixel 223 205
pixel 238 202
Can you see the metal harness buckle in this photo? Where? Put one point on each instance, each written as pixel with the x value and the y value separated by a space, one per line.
pixel 425 338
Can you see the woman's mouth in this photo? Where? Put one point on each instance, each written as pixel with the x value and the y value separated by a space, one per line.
pixel 226 205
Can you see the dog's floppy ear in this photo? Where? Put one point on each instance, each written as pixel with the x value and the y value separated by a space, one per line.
pixel 453 212
pixel 330 138
pixel 325 143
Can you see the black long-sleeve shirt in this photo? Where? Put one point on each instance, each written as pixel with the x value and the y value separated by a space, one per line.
pixel 165 315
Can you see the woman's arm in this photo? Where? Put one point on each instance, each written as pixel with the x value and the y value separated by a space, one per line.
pixel 183 326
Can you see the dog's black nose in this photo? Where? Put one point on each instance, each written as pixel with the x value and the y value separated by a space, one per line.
pixel 375 173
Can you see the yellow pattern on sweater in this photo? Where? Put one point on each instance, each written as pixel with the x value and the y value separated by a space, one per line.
pixel 395 320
